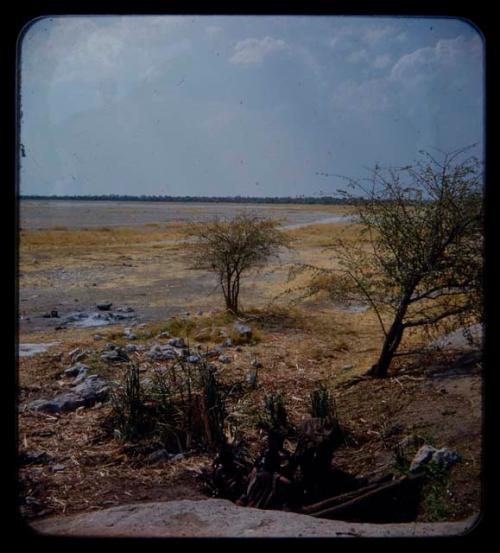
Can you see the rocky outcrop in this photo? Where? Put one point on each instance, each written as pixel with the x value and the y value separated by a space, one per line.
pixel 221 518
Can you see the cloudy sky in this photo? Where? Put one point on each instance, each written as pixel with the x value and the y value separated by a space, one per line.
pixel 254 106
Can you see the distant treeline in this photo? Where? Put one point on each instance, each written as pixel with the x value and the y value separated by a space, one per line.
pixel 205 199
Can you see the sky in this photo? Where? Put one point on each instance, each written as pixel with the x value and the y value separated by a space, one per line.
pixel 241 105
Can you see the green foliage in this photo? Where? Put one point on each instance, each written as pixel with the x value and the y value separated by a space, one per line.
pixel 182 407
pixel 230 248
pixel 322 403
pixel 274 417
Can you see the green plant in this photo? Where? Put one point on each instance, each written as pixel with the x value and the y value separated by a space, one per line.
pixel 322 404
pixel 274 417
pixel 182 407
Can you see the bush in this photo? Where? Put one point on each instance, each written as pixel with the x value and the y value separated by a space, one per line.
pixel 182 407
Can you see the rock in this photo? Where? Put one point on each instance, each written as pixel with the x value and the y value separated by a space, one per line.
pixel 251 378
pixel 224 359
pixel 93 389
pixel 98 337
pixel 220 518
pixel 74 352
pixel 243 331
pixel 57 468
pixel 256 364
pixel 199 313
pixel 118 355
pixel 125 309
pixel 443 457
pixel 422 457
pixel 193 359
pixel 164 334
pixel 127 333
pixel 227 343
pixel 34 458
pixel 76 370
pixel 178 457
pixel 79 357
pixel 63 402
pixel 158 456
pixel 54 314
pixel 177 342
pixel 238 349
pixel 161 353
pixel 80 377
pixel 346 367
pixel 104 305
pixel 130 348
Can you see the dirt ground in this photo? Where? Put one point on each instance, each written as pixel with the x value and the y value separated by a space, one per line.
pixel 299 346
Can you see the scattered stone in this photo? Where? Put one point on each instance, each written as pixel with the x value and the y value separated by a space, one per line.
pixel 79 357
pixel 57 468
pixel 199 312
pixel 116 354
pixel 224 359
pixel 93 389
pixel 443 457
pixel 239 348
pixel 76 370
pixel 256 364
pixel 54 314
pixel 130 348
pixel 177 342
pixel 104 305
pixel 74 352
pixel 161 352
pixel 34 458
pixel 193 359
pixel 125 309
pixel 158 456
pixel 178 457
pixel 163 334
pixel 98 337
pixel 227 343
pixel 243 331
pixel 346 367
pixel 127 333
pixel 251 378
pixel 80 377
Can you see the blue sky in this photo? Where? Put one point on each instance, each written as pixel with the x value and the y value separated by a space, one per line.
pixel 239 105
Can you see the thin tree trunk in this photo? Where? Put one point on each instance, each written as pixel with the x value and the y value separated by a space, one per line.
pixel 392 340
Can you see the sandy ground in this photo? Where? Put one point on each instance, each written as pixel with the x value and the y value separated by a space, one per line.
pixel 145 267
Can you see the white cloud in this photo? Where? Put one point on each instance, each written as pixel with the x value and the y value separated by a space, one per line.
pixel 376 34
pixel 448 58
pixel 373 95
pixel 382 61
pixel 254 50
pixel 359 56
pixel 89 49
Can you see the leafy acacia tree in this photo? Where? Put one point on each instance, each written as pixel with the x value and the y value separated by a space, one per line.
pixel 230 248
pixel 419 260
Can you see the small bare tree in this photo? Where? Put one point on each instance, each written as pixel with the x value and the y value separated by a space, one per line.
pixel 419 260
pixel 230 248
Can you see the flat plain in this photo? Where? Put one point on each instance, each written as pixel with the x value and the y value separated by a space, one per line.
pixel 73 255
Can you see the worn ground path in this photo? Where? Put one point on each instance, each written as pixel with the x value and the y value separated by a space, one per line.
pixel 221 518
